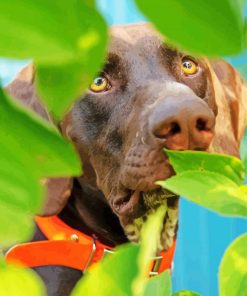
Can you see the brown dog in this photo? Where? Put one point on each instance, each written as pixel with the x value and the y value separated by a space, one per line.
pixel 148 96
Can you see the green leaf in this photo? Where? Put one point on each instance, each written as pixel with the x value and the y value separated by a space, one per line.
pixel 243 150
pixel 66 40
pixel 211 190
pixel 20 189
pixel 15 225
pixel 113 276
pixel 50 32
pixel 159 285
pixel 19 281
pixel 226 165
pixel 20 195
pixel 30 150
pixel 233 269
pixel 33 143
pixel 70 81
pixel 186 293
pixel 72 77
pixel 150 242
pixel 199 26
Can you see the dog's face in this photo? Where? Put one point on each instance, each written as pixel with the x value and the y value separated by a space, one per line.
pixel 147 97
pixel 150 96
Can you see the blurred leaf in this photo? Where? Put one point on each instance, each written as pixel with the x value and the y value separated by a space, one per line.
pixel 70 81
pixel 243 150
pixel 20 188
pixel 199 26
pixel 15 225
pixel 30 149
pixel 150 242
pixel 69 86
pixel 66 40
pixel 113 276
pixel 159 285
pixel 50 32
pixel 226 165
pixel 233 269
pixel 20 194
pixel 73 77
pixel 18 281
pixel 211 190
pixel 33 143
pixel 186 293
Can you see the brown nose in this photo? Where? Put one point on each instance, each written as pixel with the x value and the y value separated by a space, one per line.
pixel 185 124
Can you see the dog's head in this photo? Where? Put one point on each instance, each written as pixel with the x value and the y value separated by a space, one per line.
pixel 150 96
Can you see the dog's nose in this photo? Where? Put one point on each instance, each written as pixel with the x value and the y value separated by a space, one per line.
pixel 185 124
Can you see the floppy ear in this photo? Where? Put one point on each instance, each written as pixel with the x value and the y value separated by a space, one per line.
pixel 235 91
pixel 230 96
pixel 58 189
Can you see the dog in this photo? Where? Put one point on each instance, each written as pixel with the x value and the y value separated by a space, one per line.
pixel 149 96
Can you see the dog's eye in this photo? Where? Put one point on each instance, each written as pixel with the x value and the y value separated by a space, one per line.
pixel 188 66
pixel 100 84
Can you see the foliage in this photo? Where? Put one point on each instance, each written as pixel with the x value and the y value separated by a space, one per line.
pixel 66 40
pixel 211 180
pixel 17 281
pixel 25 159
pixel 215 182
pixel 233 269
pixel 203 23
pixel 231 167
pixel 113 276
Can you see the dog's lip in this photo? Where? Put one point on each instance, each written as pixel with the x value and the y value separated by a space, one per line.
pixel 127 203
pixel 134 202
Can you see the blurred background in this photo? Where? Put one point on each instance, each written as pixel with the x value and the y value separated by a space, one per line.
pixel 203 236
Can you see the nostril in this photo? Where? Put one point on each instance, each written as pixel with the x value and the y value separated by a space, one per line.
pixel 202 132
pixel 201 125
pixel 168 131
pixel 175 128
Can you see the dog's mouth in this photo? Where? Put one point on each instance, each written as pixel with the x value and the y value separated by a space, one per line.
pixel 134 208
pixel 127 203
pixel 136 203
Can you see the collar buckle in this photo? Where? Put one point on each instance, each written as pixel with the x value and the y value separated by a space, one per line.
pixel 106 252
pixel 90 256
pixel 156 265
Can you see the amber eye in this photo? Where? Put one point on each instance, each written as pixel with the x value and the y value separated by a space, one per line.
pixel 100 84
pixel 189 67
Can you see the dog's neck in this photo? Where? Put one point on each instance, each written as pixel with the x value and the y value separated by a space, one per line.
pixel 88 212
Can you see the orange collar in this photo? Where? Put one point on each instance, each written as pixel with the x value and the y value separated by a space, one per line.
pixel 69 247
